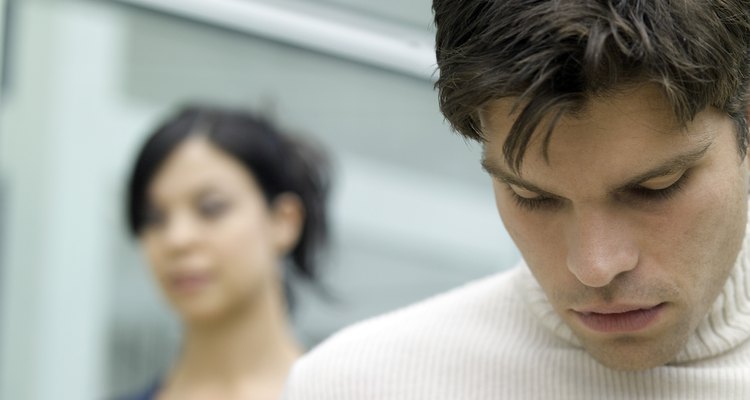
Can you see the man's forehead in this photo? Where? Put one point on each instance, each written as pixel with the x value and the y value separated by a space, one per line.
pixel 631 152
pixel 626 100
pixel 639 118
pixel 640 172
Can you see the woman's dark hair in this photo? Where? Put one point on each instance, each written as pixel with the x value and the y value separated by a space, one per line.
pixel 553 56
pixel 280 164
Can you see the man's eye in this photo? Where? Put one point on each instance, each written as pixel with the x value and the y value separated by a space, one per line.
pixel 660 194
pixel 530 201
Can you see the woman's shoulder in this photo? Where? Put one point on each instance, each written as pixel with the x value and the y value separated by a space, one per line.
pixel 148 393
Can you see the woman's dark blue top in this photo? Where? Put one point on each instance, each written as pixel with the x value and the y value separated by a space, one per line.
pixel 148 394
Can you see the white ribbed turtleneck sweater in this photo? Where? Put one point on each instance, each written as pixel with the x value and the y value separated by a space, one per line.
pixel 498 338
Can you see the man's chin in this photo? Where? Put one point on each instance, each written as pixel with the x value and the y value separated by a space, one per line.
pixel 631 353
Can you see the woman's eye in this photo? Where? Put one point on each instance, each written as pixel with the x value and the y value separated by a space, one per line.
pixel 212 209
pixel 153 217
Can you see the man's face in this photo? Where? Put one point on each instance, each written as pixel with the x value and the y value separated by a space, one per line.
pixel 631 226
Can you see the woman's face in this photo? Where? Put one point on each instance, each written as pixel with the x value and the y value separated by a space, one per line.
pixel 212 239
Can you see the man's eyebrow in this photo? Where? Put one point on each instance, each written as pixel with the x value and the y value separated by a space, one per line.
pixel 675 164
pixel 505 177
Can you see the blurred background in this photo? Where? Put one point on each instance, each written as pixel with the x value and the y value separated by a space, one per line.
pixel 83 82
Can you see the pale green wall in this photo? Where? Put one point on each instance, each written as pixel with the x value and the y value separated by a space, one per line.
pixel 413 214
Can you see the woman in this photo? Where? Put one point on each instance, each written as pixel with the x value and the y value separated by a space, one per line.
pixel 222 204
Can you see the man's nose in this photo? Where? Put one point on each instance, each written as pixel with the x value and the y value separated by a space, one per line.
pixel 600 247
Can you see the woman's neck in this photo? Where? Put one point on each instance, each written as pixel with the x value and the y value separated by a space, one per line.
pixel 248 350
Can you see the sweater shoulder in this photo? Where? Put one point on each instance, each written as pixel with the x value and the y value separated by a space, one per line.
pixel 423 338
pixel 470 303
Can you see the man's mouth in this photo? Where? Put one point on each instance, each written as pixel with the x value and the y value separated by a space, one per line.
pixel 619 318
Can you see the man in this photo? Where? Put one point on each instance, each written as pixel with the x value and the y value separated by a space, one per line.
pixel 615 132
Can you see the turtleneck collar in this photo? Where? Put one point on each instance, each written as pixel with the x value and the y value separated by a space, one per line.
pixel 725 326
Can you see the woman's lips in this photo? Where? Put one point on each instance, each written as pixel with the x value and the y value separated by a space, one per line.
pixel 619 318
pixel 190 282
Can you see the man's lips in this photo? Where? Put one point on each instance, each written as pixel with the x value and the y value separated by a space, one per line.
pixel 619 318
pixel 613 308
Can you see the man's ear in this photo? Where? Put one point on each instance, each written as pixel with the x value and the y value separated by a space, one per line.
pixel 288 217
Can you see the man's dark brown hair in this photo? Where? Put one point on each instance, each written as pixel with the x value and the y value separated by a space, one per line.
pixel 554 55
